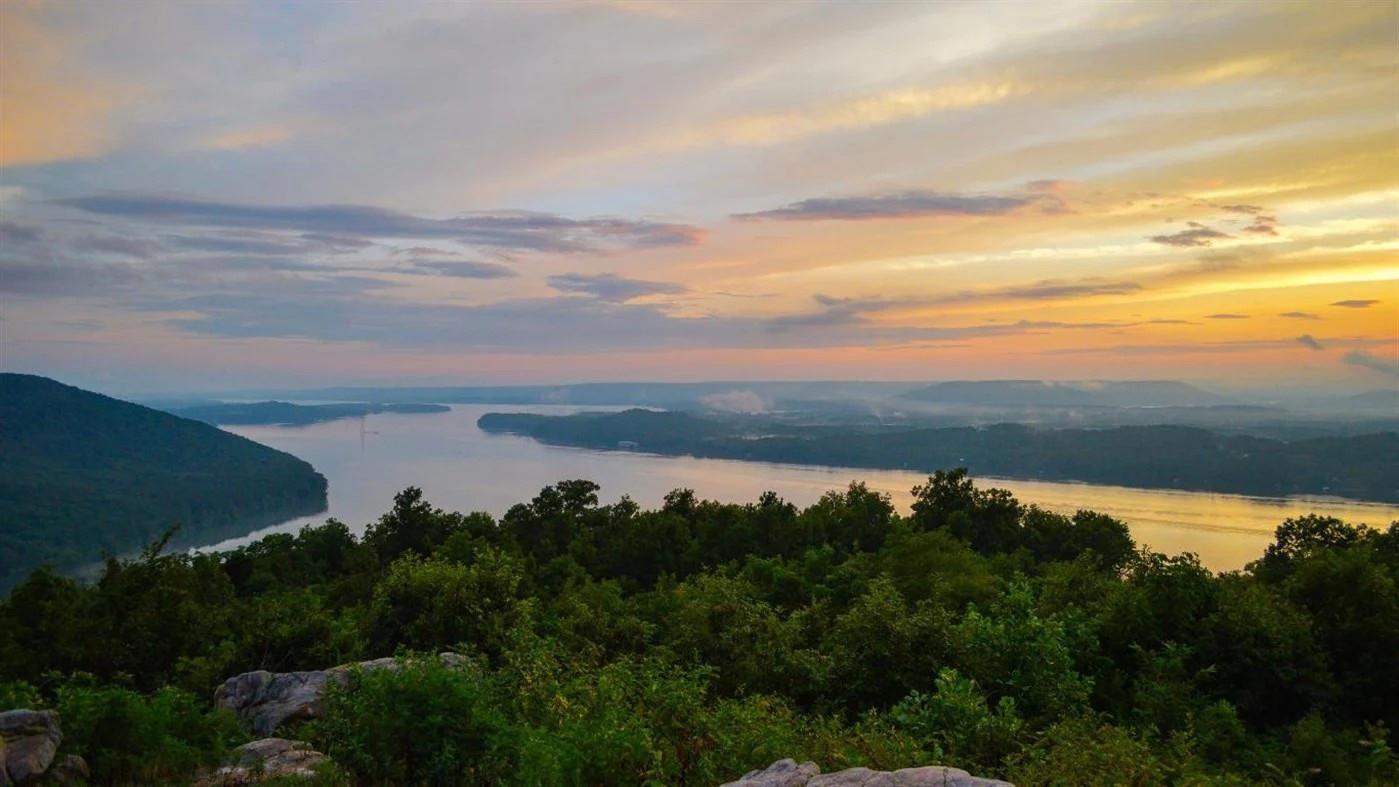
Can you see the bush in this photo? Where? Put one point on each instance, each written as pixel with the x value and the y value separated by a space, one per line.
pixel 128 738
pixel 959 725
pixel 424 723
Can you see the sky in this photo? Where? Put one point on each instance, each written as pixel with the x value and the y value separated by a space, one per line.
pixel 207 196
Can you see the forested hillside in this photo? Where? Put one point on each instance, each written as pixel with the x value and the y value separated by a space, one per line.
pixel 606 644
pixel 81 473
pixel 1364 467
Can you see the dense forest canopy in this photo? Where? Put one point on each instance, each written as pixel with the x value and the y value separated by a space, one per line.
pixel 81 473
pixel 608 644
pixel 1364 467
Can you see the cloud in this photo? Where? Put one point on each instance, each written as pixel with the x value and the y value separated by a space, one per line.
pixel 1182 348
pixel 505 229
pixel 1053 289
pixel 1050 186
pixel 908 204
pixel 736 402
pixel 116 244
pixel 1226 316
pixel 424 251
pixel 1263 225
pixel 836 311
pixel 611 287
pixel 13 232
pixel 1197 234
pixel 462 269
pixel 1249 209
pixel 1300 316
pixel 1307 340
pixel 54 276
pixel 1356 304
pixel 1388 366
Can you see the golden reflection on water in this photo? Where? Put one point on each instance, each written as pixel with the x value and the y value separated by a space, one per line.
pixel 459 467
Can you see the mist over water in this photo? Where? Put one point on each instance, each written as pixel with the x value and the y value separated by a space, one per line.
pixel 461 468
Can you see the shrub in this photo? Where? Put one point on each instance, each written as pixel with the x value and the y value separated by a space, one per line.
pixel 424 723
pixel 128 738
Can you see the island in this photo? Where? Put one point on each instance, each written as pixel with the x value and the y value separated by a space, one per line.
pixel 1362 467
pixel 82 474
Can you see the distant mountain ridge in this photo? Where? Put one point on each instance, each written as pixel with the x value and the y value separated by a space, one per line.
pixel 81 473
pixel 1089 393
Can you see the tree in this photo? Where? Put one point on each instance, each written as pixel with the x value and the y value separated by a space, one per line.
pixel 988 519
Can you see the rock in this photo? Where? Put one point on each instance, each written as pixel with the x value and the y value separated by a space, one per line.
pixel 263 700
pixel 787 773
pixel 70 770
pixel 926 776
pixel 269 758
pixel 783 773
pixel 28 739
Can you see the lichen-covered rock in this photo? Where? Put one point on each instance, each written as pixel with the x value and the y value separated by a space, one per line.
pixel 28 741
pixel 783 773
pixel 264 700
pixel 926 776
pixel 269 758
pixel 787 773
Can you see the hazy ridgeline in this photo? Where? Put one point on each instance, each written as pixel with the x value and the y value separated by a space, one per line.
pixel 688 644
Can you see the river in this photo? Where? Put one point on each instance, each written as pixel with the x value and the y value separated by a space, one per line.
pixel 461 468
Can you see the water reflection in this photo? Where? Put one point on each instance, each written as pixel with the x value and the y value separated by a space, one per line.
pixel 459 467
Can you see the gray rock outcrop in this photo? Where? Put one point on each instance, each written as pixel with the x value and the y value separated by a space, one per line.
pixel 783 773
pixel 269 758
pixel 28 741
pixel 787 773
pixel 264 700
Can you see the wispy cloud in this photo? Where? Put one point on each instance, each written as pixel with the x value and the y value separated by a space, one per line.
pixel 14 232
pixel 1356 304
pixel 1226 316
pixel 1307 340
pixel 1195 234
pixel 1300 316
pixel 611 287
pixel 462 269
pixel 1263 225
pixel 1365 360
pixel 504 229
pixel 908 204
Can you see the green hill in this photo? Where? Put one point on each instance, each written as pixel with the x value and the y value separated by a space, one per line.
pixel 81 473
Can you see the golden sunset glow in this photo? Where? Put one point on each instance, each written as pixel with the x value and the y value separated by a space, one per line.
pixel 572 191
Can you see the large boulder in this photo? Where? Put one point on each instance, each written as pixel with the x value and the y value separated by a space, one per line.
pixel 28 741
pixel 263 700
pixel 787 773
pixel 269 758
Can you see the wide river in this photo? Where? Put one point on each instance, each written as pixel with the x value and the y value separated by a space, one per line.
pixel 461 468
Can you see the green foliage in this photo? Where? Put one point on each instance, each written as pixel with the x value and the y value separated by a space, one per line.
pixel 433 604
pixel 423 723
pixel 130 738
pixel 1016 652
pixel 687 645
pixel 959 724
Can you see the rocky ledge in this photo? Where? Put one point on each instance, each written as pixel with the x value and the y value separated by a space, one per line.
pixel 263 700
pixel 266 759
pixel 788 773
